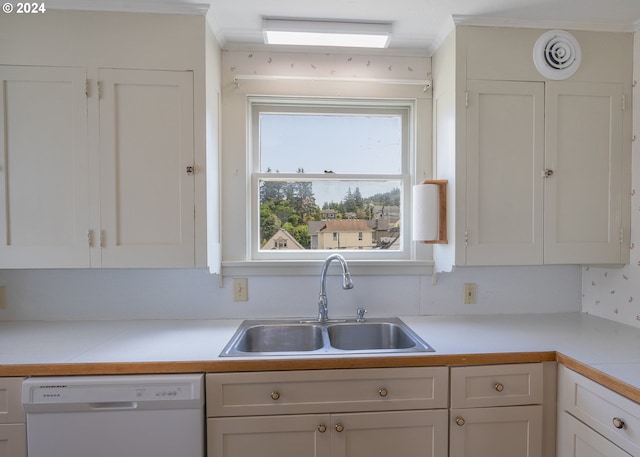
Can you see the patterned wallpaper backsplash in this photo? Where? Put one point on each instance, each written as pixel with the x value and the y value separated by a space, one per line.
pixel 614 293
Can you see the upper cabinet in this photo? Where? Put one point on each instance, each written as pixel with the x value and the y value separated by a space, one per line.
pixel 103 156
pixel 147 168
pixel 539 169
pixel 44 167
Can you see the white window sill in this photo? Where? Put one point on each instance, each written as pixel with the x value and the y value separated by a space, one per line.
pixel 313 267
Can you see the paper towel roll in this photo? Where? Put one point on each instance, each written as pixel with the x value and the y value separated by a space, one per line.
pixel 425 212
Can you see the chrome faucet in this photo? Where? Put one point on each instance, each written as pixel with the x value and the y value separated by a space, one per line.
pixel 347 283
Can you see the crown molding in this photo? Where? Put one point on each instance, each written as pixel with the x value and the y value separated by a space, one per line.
pixel 162 7
pixel 486 21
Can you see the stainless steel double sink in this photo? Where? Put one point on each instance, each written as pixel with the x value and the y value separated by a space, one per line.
pixel 288 338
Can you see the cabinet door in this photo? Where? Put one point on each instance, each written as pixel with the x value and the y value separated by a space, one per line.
pixel 513 431
pixel 577 440
pixel 385 434
pixel 269 436
pixel 44 194
pixel 146 147
pixel 583 197
pixel 505 141
pixel 13 440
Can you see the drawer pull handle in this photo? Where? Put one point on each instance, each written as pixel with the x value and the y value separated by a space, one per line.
pixel 383 392
pixel 322 428
pixel 499 387
pixel 459 421
pixel 339 428
pixel 618 423
pixel 275 395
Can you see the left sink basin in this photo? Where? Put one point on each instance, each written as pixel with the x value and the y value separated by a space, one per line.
pixel 255 337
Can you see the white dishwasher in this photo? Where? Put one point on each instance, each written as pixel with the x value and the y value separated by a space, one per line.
pixel 115 416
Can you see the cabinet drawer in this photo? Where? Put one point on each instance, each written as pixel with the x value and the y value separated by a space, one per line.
pixel 298 392
pixel 11 401
pixel 576 439
pixel 601 409
pixel 496 385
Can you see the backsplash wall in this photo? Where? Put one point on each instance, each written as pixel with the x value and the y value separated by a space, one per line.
pixel 614 293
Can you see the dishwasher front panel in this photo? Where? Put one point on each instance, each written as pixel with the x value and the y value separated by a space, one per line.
pixel 149 433
pixel 115 416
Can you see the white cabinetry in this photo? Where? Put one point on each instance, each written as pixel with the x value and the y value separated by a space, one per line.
pixel 593 420
pixel 544 173
pixel 333 413
pixel 13 437
pixel 146 168
pixel 44 167
pixel 129 205
pixel 496 411
pixel 538 170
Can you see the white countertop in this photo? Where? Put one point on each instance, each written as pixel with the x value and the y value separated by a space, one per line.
pixel 612 348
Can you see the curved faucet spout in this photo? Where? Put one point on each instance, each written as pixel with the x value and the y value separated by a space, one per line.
pixel 347 283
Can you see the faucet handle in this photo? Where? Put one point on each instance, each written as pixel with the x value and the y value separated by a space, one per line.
pixel 360 312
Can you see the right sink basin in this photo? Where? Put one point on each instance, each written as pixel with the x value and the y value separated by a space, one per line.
pixel 374 334
pixel 369 335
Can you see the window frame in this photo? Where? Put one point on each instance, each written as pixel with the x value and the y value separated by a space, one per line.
pixel 258 104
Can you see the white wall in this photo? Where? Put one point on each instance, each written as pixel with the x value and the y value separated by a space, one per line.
pixel 196 294
pixel 614 293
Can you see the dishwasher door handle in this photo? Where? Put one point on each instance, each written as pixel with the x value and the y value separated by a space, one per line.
pixel 114 405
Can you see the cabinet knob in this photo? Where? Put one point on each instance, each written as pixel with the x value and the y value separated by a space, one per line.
pixel 191 170
pixel 547 173
pixel 322 428
pixel 618 423
pixel 275 395
pixel 459 421
pixel 339 428
pixel 383 392
pixel 499 387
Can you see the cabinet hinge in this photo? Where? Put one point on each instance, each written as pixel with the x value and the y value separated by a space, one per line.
pixel 466 238
pixel 624 103
pixel 621 236
pixel 86 88
pixel 99 86
pixel 90 238
pixel 466 99
pixel 101 238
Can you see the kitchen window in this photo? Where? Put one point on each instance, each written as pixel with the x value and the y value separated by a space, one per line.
pixel 335 174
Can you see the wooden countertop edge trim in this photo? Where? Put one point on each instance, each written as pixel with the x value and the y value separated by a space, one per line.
pixel 611 382
pixel 283 364
pixel 290 364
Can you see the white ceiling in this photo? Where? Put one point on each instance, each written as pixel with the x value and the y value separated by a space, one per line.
pixel 418 25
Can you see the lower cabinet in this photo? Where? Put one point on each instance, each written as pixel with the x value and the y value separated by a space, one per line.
pixel 378 434
pixel 593 420
pixel 497 411
pixel 329 413
pixel 578 440
pixel 13 434
pixel 513 431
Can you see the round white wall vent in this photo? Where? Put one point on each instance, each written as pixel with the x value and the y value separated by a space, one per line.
pixel 557 55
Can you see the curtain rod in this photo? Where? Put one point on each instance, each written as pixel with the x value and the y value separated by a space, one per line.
pixel 409 82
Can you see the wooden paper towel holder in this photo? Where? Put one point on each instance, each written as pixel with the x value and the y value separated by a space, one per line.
pixel 442 211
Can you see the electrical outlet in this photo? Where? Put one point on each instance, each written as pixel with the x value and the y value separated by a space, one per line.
pixel 3 297
pixel 469 294
pixel 240 289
